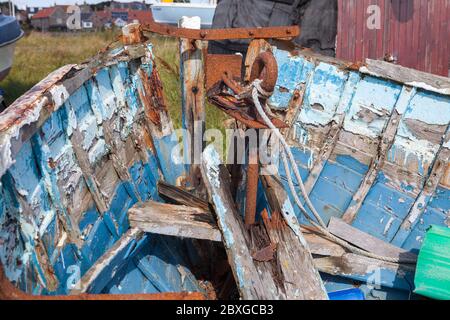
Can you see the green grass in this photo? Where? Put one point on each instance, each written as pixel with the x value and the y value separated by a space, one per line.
pixel 38 54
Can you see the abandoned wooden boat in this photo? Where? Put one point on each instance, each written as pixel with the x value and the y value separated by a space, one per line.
pixel 92 202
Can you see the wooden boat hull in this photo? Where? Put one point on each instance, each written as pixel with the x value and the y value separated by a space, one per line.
pixel 64 199
pixel 89 142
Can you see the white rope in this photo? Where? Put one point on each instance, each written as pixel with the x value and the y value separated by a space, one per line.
pixel 280 137
pixel 256 92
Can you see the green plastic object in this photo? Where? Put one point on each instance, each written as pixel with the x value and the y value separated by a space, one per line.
pixel 432 278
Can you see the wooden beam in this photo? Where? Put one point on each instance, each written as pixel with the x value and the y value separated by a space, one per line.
pixel 253 283
pixel 319 245
pixel 331 258
pixel 327 256
pixel 104 269
pixel 419 79
pixel 174 220
pixel 302 280
pixel 316 242
pixel 371 271
pixel 180 196
pixel 86 168
pixel 438 171
pixel 193 100
pixel 325 153
pixel 365 241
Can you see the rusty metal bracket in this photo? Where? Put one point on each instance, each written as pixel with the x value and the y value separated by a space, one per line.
pixel 242 109
pixel 287 32
pixel 219 64
pixel 234 98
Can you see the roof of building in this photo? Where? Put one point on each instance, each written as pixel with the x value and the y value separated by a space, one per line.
pixel 141 16
pixel 46 12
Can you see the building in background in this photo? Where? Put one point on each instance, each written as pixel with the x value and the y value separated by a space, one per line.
pixel 135 5
pixel 120 17
pixel 31 11
pixel 87 22
pixel 412 33
pixel 50 19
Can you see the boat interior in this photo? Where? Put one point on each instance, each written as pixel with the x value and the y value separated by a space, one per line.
pixel 92 202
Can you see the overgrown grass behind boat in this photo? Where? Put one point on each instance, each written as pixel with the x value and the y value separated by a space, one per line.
pixel 38 54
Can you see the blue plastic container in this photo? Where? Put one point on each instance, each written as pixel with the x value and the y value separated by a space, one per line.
pixel 349 294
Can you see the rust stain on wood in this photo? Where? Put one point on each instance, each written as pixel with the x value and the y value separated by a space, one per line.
pixel 152 96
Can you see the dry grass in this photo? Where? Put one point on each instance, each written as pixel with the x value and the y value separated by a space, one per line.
pixel 38 54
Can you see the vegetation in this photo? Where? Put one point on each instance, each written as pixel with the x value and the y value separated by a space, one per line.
pixel 38 54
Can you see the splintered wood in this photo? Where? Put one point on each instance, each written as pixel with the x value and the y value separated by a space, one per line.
pixel 174 220
pixel 291 275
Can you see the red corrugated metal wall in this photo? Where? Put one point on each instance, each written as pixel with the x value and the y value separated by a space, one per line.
pixel 416 32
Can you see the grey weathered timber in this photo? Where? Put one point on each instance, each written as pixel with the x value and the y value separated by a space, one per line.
pixel 407 76
pixel 365 241
pixel 351 264
pixel 193 102
pixel 174 220
pixel 252 282
pixel 302 280
pixel 180 196
pixel 319 245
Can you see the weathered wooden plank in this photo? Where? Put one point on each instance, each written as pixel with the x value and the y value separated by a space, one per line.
pixel 365 241
pixel 86 168
pixel 438 171
pixel 193 103
pixel 316 241
pixel 319 245
pixel 333 133
pixel 104 269
pixel 251 282
pixel 386 141
pixel 373 272
pixel 174 220
pixel 394 72
pixel 302 280
pixel 116 145
pixel 407 76
pixel 181 196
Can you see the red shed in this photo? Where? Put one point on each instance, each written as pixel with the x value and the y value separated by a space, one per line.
pixel 416 33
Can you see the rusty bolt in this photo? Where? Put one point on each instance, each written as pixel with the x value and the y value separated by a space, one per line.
pixel 251 34
pixel 202 34
pixel 288 31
